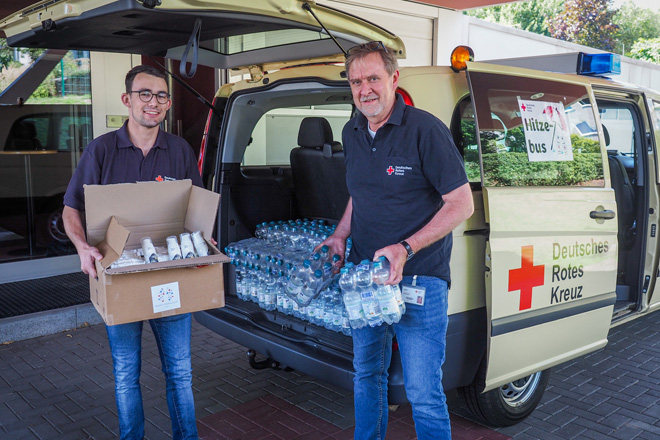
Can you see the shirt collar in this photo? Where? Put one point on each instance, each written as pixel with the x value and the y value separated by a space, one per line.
pixel 124 141
pixel 396 117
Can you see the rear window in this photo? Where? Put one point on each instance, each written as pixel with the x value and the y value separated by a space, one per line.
pixel 276 133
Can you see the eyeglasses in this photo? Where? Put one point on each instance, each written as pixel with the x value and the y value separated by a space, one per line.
pixel 146 96
pixel 371 46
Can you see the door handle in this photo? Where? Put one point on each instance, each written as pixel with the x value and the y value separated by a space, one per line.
pixel 606 214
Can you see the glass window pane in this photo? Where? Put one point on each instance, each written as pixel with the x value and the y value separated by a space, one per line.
pixel 276 133
pixel 40 145
pixel 260 40
pixel 535 132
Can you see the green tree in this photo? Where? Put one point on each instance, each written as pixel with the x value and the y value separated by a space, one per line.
pixel 647 50
pixel 586 22
pixel 530 16
pixel 634 24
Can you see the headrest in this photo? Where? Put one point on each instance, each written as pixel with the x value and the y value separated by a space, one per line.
pixel 25 130
pixel 314 133
pixel 606 133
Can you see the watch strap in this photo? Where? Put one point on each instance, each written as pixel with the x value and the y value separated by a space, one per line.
pixel 409 249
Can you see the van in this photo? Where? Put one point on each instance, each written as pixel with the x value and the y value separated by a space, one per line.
pixel 563 168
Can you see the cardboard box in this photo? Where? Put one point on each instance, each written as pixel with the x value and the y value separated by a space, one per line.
pixel 119 216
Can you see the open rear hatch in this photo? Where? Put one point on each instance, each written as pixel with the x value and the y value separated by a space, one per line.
pixel 230 33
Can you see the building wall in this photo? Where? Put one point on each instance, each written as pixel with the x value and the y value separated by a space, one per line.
pixel 430 34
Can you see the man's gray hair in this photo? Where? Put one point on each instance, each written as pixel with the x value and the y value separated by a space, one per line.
pixel 387 55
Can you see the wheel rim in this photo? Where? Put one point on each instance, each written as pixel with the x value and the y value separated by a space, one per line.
pixel 56 226
pixel 519 392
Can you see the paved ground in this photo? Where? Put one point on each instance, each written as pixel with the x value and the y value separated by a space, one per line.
pixel 60 387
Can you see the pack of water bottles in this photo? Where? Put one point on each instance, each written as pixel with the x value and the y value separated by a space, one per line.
pixel 313 275
pixel 265 264
pixel 367 298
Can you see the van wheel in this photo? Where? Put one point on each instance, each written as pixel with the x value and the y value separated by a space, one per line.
pixel 507 405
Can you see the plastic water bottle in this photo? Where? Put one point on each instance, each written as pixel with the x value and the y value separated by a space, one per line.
pixel 310 288
pixel 388 305
pixel 270 291
pixel 395 287
pixel 297 279
pixel 370 303
pixel 351 297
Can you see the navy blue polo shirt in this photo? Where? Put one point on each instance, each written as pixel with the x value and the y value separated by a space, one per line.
pixel 396 181
pixel 112 158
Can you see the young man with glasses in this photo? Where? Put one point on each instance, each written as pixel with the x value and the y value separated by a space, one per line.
pixel 408 191
pixel 139 151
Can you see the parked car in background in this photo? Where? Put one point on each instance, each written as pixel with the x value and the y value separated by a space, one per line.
pixel 39 148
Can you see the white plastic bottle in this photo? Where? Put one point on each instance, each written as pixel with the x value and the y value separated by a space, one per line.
pixel 370 303
pixel 395 287
pixel 388 305
pixel 351 297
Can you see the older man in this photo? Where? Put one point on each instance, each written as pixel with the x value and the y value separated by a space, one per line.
pixel 408 192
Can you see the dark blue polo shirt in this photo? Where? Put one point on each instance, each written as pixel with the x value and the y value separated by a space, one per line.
pixel 397 180
pixel 112 158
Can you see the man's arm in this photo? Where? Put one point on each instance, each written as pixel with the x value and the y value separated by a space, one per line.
pixel 337 241
pixel 74 229
pixel 458 207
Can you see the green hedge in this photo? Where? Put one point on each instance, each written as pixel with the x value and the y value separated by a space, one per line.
pixel 514 169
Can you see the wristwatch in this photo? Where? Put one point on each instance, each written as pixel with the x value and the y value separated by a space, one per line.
pixel 410 251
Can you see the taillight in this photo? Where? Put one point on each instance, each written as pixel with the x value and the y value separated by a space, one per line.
pixel 406 97
pixel 202 147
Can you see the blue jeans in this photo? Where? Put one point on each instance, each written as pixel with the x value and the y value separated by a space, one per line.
pixel 173 339
pixel 421 337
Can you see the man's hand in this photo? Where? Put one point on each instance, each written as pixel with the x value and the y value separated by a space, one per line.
pixel 88 256
pixel 397 255
pixel 336 244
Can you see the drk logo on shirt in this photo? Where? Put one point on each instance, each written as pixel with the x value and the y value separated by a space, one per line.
pixel 398 170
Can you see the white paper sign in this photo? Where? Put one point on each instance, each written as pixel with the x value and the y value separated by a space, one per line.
pixel 165 297
pixel 546 131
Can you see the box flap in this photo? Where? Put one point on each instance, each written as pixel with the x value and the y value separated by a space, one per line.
pixel 115 240
pixel 202 211
pixel 189 262
pixel 144 208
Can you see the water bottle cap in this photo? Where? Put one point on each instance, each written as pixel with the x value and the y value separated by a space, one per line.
pixel 336 257
pixel 327 265
pixel 378 264
pixel 365 261
pixel 307 263
pixel 382 258
pixel 318 273
pixel 344 269
pixel 324 248
pixel 316 256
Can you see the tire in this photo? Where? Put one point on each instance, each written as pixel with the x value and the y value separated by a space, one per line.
pixel 508 404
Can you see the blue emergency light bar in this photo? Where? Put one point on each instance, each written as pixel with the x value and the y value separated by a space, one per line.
pixel 599 64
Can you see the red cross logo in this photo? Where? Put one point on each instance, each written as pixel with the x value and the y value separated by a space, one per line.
pixel 390 170
pixel 523 107
pixel 527 277
pixel 159 178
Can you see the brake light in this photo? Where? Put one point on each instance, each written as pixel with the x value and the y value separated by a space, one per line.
pixel 202 147
pixel 406 96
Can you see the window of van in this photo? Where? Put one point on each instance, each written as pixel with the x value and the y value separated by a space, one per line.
pixel 532 132
pixel 276 132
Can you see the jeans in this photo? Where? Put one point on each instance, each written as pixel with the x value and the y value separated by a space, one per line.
pixel 173 339
pixel 421 337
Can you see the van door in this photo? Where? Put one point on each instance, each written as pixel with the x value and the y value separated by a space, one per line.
pixel 552 247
